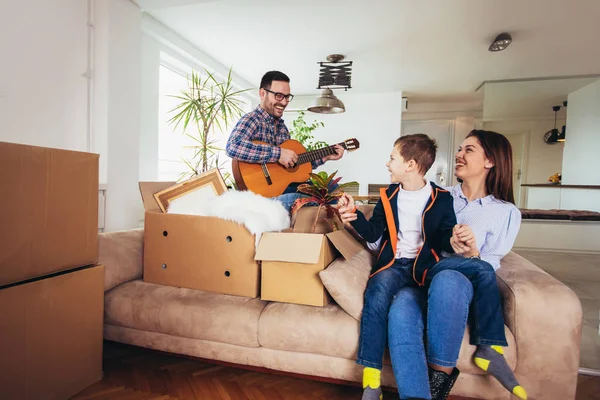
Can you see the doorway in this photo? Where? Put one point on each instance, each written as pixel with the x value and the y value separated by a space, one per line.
pixel 443 132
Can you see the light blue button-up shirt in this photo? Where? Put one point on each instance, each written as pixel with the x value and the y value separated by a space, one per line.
pixel 495 224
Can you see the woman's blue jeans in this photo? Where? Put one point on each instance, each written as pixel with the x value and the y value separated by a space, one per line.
pixel 439 314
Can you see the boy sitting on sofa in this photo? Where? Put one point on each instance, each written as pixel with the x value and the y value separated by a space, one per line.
pixel 414 222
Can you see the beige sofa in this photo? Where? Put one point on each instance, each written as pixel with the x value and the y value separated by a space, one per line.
pixel 543 323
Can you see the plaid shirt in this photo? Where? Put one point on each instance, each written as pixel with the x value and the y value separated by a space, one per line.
pixel 262 126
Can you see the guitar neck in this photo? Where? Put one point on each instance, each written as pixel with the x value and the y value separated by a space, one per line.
pixel 311 156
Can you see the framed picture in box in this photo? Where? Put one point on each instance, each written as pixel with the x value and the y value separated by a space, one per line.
pixel 206 185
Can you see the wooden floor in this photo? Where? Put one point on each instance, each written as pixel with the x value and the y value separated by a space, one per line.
pixel 133 373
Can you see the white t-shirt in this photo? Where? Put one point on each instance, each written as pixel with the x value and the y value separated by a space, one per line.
pixel 410 210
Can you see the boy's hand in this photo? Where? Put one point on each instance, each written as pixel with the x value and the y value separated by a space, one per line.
pixel 346 208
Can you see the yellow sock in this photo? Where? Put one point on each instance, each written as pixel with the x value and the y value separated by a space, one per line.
pixel 520 392
pixel 371 378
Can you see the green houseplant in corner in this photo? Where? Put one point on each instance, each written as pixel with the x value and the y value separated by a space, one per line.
pixel 207 106
pixel 324 190
pixel 303 132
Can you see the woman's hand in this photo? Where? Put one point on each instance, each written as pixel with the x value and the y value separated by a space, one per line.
pixel 463 241
pixel 458 246
pixel 346 208
pixel 463 233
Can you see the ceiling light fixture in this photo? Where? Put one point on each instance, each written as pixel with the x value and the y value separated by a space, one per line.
pixel 563 133
pixel 333 74
pixel 501 42
pixel 551 137
pixel 327 104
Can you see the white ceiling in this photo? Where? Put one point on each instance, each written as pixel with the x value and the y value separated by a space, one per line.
pixel 428 47
pixel 529 99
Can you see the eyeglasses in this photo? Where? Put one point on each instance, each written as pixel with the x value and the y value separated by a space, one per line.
pixel 281 96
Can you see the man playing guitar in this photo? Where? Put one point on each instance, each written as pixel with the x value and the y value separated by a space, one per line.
pixel 265 124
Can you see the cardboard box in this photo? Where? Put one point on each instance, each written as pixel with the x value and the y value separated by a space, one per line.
pixel 291 263
pixel 204 253
pixel 51 335
pixel 304 219
pixel 48 211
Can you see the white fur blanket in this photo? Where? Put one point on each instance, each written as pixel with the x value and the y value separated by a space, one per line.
pixel 257 213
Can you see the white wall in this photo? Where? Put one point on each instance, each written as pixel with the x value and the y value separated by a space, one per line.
pixel 373 119
pixel 43 90
pixel 583 137
pixel 117 114
pixel 149 111
pixel 46 98
pixel 581 162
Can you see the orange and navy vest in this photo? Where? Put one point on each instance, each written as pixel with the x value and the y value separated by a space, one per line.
pixel 437 221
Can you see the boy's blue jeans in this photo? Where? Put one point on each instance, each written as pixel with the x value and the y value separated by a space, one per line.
pixel 380 291
pixel 487 322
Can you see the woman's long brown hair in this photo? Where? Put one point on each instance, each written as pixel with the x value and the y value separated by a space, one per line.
pixel 497 149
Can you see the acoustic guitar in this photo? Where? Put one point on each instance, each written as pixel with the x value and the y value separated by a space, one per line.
pixel 271 179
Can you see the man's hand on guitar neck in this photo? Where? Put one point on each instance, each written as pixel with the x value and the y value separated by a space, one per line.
pixel 339 152
pixel 287 158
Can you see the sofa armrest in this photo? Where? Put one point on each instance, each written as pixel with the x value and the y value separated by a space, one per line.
pixel 545 318
pixel 121 253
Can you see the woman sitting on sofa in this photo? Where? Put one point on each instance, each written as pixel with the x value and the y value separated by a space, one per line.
pixel 426 368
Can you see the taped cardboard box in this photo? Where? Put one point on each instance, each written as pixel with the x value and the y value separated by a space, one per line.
pixel 291 263
pixel 48 211
pixel 195 252
pixel 51 335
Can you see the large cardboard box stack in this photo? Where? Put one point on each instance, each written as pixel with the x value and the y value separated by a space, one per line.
pixel 51 291
pixel 196 252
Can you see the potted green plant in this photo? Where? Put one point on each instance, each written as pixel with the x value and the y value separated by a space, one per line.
pixel 324 190
pixel 207 105
pixel 303 132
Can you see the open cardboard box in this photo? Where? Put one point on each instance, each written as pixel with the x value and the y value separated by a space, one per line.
pixel 291 263
pixel 190 251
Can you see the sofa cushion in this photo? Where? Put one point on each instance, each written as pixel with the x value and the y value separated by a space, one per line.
pixel 346 280
pixel 184 312
pixel 121 254
pixel 319 330
pixel 332 332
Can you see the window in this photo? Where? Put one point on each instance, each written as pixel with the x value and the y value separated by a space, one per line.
pixel 171 140
pixel 173 144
